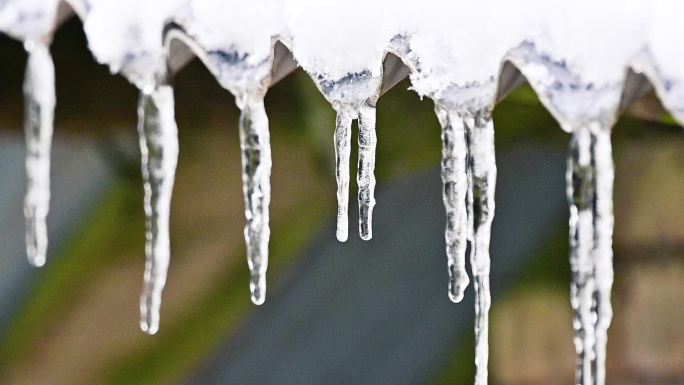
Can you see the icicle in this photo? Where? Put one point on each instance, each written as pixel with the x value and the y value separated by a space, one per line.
pixel 590 190
pixel 454 197
pixel 342 154
pixel 469 177
pixel 159 148
pixel 603 249
pixel 365 175
pixel 581 195
pixel 255 144
pixel 483 183
pixel 39 94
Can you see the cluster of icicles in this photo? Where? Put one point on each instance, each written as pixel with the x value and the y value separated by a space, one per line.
pixel 464 55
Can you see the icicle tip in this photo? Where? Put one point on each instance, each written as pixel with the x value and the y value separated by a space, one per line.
pixel 257 287
pixel 342 233
pixel 457 286
pixel 148 329
pixel 149 320
pixel 37 261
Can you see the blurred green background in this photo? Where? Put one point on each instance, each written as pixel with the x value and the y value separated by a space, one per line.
pixel 75 320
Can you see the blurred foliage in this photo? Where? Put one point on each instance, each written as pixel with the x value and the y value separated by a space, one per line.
pixel 98 245
pixel 212 319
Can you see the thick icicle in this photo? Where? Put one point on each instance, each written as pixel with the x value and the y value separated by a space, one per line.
pixel 159 148
pixel 342 154
pixel 39 94
pixel 455 186
pixel 590 191
pixel 365 177
pixel 482 169
pixel 255 144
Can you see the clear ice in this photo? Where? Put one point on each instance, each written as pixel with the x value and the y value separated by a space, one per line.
pixel 342 154
pixel 159 149
pixel 590 190
pixel 454 191
pixel 255 145
pixel 482 176
pixel 39 94
pixel 365 177
pixel 469 182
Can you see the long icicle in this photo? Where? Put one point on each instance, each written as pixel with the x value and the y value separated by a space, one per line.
pixel 603 247
pixel 39 94
pixel 255 144
pixel 483 184
pixel 366 170
pixel 455 186
pixel 159 148
pixel 581 193
pixel 342 155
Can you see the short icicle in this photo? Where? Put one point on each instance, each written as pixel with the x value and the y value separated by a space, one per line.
pixel 366 170
pixel 39 94
pixel 255 144
pixel 455 186
pixel 482 170
pixel 159 148
pixel 342 155
pixel 590 190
